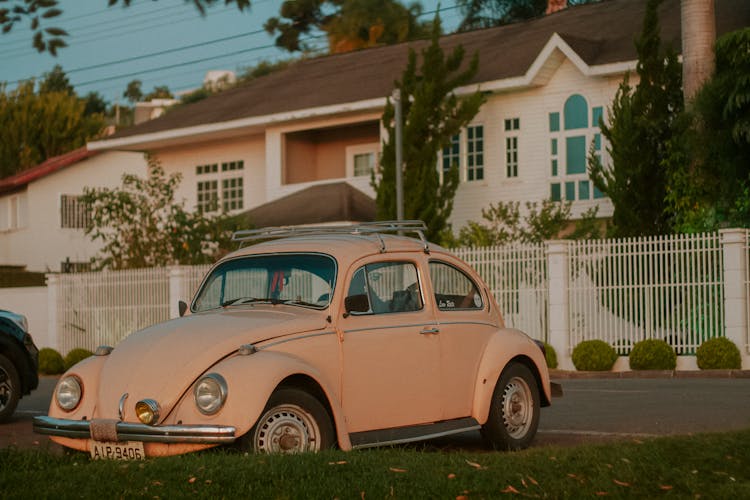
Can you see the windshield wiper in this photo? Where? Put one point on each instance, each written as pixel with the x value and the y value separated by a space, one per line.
pixel 248 300
pixel 302 303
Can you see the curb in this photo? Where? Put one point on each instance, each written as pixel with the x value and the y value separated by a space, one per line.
pixel 643 374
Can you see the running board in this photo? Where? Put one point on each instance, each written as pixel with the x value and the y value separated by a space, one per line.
pixel 399 435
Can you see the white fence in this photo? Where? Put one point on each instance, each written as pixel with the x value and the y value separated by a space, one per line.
pixel 683 289
pixel 517 277
pixel 626 290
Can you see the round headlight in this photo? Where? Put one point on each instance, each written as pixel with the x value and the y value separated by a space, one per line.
pixel 147 411
pixel 68 393
pixel 210 393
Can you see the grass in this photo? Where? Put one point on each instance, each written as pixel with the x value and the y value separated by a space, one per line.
pixel 700 466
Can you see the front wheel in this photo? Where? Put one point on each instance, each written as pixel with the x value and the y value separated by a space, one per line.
pixel 10 388
pixel 514 410
pixel 293 421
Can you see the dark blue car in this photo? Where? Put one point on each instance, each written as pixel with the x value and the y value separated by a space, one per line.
pixel 19 362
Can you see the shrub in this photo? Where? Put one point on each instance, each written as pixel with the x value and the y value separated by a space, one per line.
pixel 50 362
pixel 718 353
pixel 550 355
pixel 594 355
pixel 75 356
pixel 652 354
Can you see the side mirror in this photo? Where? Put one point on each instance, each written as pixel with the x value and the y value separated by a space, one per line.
pixel 182 307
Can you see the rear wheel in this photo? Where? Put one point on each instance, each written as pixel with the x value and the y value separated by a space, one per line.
pixel 514 410
pixel 10 388
pixel 293 421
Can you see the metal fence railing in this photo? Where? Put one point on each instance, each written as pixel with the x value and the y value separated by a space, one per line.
pixel 517 277
pixel 664 287
pixel 618 290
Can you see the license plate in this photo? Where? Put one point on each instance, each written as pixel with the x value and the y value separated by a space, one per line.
pixel 129 450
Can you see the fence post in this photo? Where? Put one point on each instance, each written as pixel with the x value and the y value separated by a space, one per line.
pixel 176 280
pixel 559 333
pixel 53 283
pixel 734 247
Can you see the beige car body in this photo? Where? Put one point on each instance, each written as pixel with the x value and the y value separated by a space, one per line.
pixel 373 372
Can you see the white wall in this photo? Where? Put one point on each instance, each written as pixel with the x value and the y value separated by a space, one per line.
pixel 33 303
pixel 532 107
pixel 249 149
pixel 42 244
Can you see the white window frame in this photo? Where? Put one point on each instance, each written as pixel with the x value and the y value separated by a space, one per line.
pixel 463 156
pixel 223 171
pixel 351 152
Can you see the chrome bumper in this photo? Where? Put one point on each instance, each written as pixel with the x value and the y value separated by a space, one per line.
pixel 126 431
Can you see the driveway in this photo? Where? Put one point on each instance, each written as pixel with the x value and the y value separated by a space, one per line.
pixel 591 411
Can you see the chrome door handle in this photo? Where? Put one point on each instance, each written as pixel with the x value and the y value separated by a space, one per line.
pixel 428 331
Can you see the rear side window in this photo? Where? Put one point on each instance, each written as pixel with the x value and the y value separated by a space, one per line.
pixel 386 287
pixel 453 289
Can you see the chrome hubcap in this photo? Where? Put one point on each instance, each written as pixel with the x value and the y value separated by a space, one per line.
pixel 517 407
pixel 286 429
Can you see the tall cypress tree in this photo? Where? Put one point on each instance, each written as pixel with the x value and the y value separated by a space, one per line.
pixel 642 122
pixel 432 114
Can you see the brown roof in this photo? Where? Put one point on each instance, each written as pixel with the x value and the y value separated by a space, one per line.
pixel 600 33
pixel 334 202
pixel 49 166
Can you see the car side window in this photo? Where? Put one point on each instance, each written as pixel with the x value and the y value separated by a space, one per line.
pixel 385 287
pixel 453 289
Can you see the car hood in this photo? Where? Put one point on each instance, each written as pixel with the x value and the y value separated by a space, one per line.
pixel 162 361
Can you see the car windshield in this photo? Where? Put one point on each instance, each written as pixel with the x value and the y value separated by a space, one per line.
pixel 301 279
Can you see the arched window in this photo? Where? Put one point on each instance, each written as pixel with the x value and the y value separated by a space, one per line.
pixel 576 112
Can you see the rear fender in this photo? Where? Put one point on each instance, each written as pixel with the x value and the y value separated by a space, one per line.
pixel 507 345
pixel 251 380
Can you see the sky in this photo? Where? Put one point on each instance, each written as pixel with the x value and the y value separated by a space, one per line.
pixel 160 42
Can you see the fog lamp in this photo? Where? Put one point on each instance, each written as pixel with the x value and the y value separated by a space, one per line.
pixel 147 411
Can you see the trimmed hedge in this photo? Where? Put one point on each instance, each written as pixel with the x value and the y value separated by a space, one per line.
pixel 550 356
pixel 594 355
pixel 75 356
pixel 652 354
pixel 50 362
pixel 718 353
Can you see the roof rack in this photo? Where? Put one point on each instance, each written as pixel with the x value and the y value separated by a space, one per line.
pixel 416 227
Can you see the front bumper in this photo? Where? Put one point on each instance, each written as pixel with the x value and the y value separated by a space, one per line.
pixel 127 431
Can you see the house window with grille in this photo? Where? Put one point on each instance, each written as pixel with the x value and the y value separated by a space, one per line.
pixel 220 186
pixel 475 153
pixel 452 154
pixel 512 125
pixel 74 213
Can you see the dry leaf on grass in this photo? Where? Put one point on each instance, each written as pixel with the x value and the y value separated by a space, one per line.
pixel 475 465
pixel 451 476
pixel 396 469
pixel 509 489
pixel 621 483
pixel 665 487
pixel 191 480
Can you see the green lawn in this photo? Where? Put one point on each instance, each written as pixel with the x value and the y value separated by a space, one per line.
pixel 701 466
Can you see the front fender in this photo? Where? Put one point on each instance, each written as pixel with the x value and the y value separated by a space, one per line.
pixel 505 346
pixel 251 379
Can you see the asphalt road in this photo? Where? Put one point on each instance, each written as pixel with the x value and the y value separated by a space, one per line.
pixel 591 410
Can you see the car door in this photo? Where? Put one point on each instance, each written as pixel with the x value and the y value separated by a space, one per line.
pixel 466 325
pixel 391 354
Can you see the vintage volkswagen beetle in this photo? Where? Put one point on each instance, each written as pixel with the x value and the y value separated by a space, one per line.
pixel 316 337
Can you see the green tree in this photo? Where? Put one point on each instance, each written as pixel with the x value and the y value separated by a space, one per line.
pixel 141 225
pixel 56 81
pixel 504 223
pixel 37 126
pixel 133 92
pixel 349 24
pixel 709 165
pixel 487 13
pixel 432 115
pixel 49 38
pixel 94 103
pixel 159 92
pixel 643 120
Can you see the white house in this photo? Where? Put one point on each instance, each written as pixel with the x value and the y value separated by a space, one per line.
pixel 548 81
pixel 41 220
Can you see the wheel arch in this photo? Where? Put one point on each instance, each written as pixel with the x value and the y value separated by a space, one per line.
pixel 268 371
pixel 506 347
